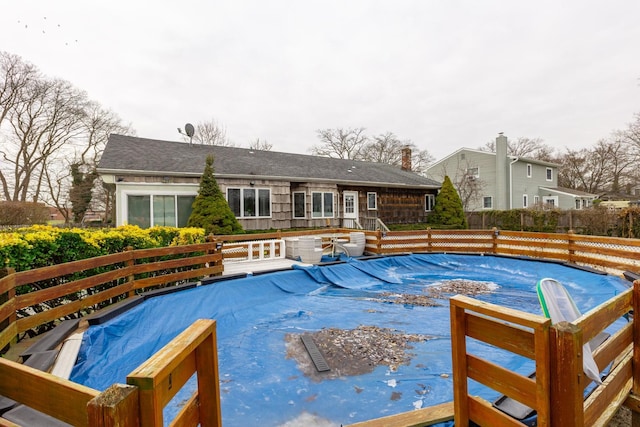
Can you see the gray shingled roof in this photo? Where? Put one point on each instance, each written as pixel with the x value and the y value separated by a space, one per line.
pixel 127 154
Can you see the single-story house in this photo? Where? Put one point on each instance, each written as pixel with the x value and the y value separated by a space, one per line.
pixel 155 183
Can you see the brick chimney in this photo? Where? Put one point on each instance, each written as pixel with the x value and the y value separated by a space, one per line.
pixel 406 158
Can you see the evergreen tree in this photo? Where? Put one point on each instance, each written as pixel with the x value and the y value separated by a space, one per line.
pixel 448 211
pixel 210 209
pixel 80 193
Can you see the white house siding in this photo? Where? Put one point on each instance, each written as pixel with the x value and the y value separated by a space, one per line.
pixel 125 189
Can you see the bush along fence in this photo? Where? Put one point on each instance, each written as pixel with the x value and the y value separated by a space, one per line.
pixel 597 221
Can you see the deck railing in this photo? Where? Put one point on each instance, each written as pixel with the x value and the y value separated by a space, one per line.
pixel 136 270
pixel 140 403
pixel 103 280
pixel 558 390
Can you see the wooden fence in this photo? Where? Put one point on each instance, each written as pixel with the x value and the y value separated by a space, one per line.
pixel 82 286
pixel 141 402
pixel 558 389
pixel 120 276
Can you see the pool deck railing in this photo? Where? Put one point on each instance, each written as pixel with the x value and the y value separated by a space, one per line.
pixel 557 394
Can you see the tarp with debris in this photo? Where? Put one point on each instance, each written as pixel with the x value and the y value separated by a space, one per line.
pixel 359 306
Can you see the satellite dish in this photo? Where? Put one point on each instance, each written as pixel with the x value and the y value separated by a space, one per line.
pixel 189 130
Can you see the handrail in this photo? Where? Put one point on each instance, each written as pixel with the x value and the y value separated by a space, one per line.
pixel 164 374
pixel 57 397
pixel 512 330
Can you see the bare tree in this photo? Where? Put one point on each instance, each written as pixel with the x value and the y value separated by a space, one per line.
pixel 584 170
pixel 210 132
pixel 48 129
pixel 340 143
pixel 384 148
pixel 48 117
pixel 524 147
pixel 263 145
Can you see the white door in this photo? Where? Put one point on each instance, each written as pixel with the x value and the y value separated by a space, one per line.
pixel 350 203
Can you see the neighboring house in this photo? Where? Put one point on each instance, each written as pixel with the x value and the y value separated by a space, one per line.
pixel 155 183
pixel 500 181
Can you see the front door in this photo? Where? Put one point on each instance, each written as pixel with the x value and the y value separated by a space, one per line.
pixel 350 203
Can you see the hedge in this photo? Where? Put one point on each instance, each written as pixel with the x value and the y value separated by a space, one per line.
pixel 40 246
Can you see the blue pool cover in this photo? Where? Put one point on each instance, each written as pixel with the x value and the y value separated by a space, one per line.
pixel 261 385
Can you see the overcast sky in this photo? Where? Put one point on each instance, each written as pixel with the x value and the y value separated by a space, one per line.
pixel 443 74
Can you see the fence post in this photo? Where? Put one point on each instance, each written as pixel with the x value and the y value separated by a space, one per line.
pixel 635 416
pixel 378 242
pixel 571 245
pixel 129 265
pixel 494 239
pixel 429 242
pixel 208 382
pixel 459 357
pixel 8 298
pixel 217 248
pixel 566 370
pixel 117 406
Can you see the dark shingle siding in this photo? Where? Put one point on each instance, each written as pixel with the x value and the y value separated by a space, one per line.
pixel 126 153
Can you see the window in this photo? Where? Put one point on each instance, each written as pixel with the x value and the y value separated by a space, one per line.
pixel 474 172
pixel 525 201
pixel 299 208
pixel 249 202
pixel 159 210
pixel 577 203
pixel 429 202
pixel 529 169
pixel 164 211
pixel 372 203
pixel 536 200
pixel 487 202
pixel 322 205
pixel 549 174
pixel 139 211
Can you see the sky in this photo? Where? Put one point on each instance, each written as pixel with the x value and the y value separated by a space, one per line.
pixel 440 74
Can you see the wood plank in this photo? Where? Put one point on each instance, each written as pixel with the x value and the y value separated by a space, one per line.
pixel 58 291
pixel 542 337
pixel 8 334
pixel 62 399
pixel 7 423
pixel 568 379
pixel 502 335
pixel 175 277
pixel 503 313
pixel 7 281
pixel 158 367
pixel 116 406
pixel 614 346
pixel 7 310
pixel 168 385
pixel 416 418
pixel 459 362
pixel 188 415
pixel 598 318
pixel 173 250
pixel 60 311
pixel 502 380
pixel 44 273
pixel 171 264
pixel 209 382
pixel 481 412
pixel 607 398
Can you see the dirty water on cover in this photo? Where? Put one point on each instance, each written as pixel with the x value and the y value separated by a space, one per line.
pixel 261 385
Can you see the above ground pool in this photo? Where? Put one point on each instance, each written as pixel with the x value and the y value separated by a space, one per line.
pixel 382 325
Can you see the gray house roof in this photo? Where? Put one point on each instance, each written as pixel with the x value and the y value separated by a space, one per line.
pixel 132 155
